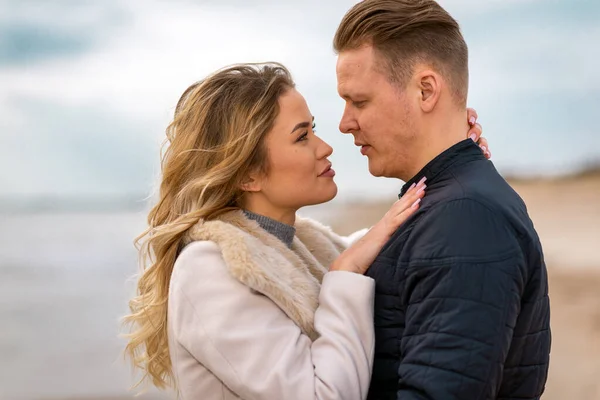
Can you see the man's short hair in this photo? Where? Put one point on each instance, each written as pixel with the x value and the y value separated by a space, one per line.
pixel 406 32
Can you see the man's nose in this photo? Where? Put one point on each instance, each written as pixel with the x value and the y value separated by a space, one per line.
pixel 348 122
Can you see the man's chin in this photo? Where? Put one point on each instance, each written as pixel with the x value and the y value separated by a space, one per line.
pixel 375 170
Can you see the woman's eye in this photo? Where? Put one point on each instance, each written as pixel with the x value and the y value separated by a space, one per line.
pixel 302 137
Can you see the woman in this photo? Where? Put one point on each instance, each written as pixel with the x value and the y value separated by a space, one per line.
pixel 242 299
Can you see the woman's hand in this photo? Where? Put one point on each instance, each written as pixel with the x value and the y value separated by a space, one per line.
pixel 359 257
pixel 475 132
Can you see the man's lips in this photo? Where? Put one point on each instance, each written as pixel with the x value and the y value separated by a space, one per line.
pixel 364 148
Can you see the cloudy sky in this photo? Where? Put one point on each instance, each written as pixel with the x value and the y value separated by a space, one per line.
pixel 87 88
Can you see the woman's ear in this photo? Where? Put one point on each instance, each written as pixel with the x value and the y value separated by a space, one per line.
pixel 252 183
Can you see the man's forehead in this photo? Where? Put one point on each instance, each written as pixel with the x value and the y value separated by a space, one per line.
pixel 355 72
pixel 353 62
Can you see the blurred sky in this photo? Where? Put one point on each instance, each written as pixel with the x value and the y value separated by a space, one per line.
pixel 87 88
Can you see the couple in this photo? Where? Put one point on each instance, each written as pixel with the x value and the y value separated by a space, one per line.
pixel 444 298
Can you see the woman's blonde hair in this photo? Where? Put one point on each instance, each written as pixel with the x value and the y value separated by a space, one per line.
pixel 216 138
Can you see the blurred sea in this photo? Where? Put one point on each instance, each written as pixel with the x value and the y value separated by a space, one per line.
pixel 62 291
pixel 63 288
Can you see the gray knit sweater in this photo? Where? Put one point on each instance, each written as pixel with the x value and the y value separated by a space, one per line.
pixel 283 232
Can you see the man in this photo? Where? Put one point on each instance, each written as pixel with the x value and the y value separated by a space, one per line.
pixel 461 307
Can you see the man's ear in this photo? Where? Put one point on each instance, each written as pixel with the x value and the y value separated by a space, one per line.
pixel 430 84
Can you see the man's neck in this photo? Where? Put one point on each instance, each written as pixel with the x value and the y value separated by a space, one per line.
pixel 438 137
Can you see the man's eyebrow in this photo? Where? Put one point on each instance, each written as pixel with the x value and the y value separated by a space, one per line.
pixel 302 125
pixel 351 97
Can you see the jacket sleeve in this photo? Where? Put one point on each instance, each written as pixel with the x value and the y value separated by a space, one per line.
pixel 463 288
pixel 252 346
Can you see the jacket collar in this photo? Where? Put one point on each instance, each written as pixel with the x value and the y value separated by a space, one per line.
pixel 290 277
pixel 462 152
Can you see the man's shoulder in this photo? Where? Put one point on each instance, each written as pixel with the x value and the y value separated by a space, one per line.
pixel 473 210
pixel 481 182
pixel 473 215
pixel 474 190
pixel 468 226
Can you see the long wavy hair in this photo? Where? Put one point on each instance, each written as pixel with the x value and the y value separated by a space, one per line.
pixel 216 137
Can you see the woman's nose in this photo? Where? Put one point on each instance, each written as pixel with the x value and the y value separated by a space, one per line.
pixel 324 149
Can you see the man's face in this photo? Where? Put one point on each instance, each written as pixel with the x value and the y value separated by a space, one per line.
pixel 380 115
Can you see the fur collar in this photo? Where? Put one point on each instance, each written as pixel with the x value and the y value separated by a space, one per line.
pixel 289 277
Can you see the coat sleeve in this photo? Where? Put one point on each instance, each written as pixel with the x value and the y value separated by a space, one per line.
pixel 354 237
pixel 252 346
pixel 463 288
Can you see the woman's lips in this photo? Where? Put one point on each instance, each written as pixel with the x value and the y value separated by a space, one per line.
pixel 329 173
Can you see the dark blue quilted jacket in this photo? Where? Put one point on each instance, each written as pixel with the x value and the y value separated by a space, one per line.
pixel 461 304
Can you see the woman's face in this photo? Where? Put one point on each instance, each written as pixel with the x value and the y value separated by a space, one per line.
pixel 299 172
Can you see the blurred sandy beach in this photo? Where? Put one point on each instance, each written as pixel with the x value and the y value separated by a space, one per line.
pixel 64 287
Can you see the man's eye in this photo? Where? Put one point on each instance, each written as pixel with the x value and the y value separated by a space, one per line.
pixel 358 104
pixel 314 127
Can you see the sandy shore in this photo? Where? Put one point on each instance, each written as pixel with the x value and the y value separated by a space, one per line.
pixel 566 214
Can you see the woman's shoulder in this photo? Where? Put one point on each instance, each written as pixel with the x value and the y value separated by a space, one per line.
pixel 197 258
pixel 199 249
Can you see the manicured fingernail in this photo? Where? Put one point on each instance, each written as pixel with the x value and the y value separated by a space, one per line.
pixel 484 149
pixel 473 137
pixel 422 181
pixel 471 120
pixel 421 190
pixel 416 203
pixel 412 186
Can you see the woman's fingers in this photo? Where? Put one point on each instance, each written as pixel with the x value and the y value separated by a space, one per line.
pixel 475 132
pixel 483 143
pixel 471 116
pixel 410 206
pixel 404 215
pixel 411 198
pixel 399 211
